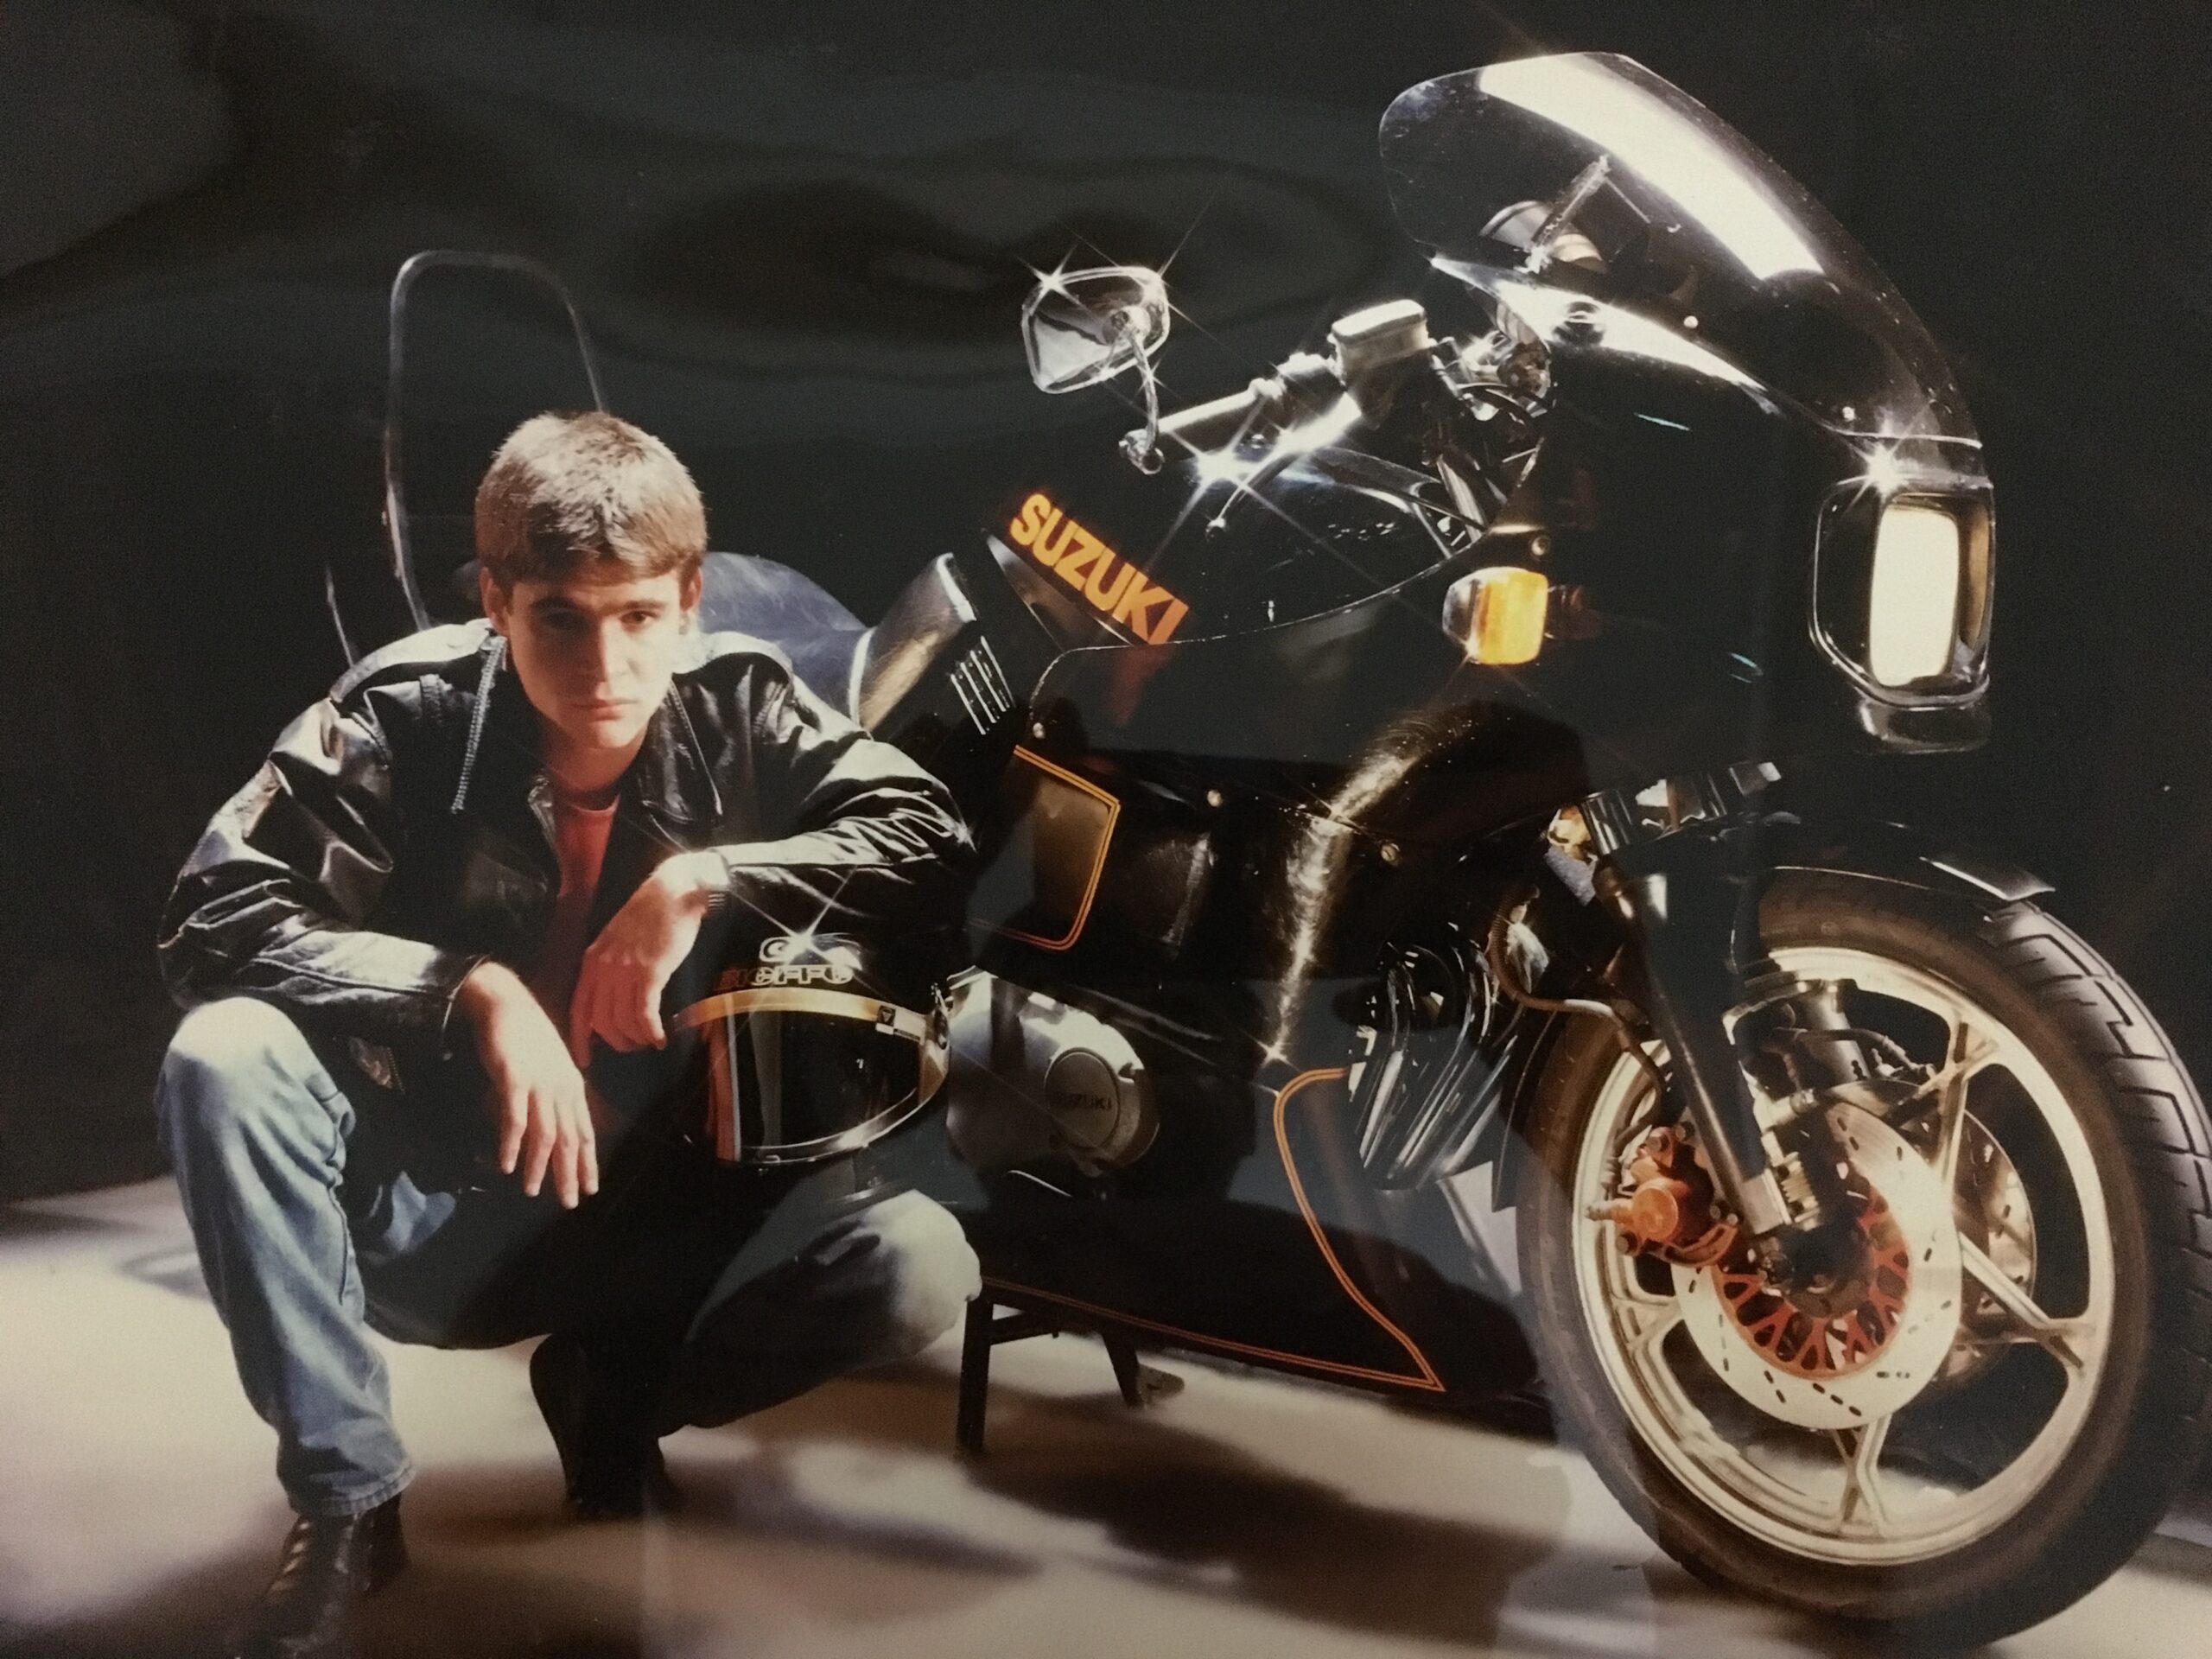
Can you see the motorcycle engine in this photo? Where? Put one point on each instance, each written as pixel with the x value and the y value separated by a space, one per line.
pixel 1030 1079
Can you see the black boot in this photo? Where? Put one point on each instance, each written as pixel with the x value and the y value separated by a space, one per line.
pixel 330 1562
pixel 610 1457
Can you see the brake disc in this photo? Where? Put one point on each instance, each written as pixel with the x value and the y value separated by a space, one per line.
pixel 1993 1211
pixel 1831 1365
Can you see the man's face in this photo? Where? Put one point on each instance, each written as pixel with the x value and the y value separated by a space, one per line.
pixel 594 655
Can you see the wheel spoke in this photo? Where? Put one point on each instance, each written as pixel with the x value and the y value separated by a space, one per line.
pixel 1969 1052
pixel 1967 1058
pixel 2067 1340
pixel 1864 1503
pixel 1647 1321
pixel 1639 1118
pixel 1833 1494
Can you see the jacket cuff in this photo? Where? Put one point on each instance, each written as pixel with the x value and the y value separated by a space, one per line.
pixel 404 992
pixel 449 970
pixel 723 896
pixel 808 849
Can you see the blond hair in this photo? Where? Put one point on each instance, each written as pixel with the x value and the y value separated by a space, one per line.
pixel 569 491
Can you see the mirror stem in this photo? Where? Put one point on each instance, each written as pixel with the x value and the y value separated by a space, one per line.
pixel 1142 448
pixel 1561 220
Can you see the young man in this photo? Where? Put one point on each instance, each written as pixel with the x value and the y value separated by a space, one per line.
pixel 424 1082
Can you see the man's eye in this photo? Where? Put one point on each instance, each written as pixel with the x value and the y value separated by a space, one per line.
pixel 639 619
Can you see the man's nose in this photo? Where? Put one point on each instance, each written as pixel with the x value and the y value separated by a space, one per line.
pixel 602 654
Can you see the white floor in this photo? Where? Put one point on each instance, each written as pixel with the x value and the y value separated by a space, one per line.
pixel 1244 1515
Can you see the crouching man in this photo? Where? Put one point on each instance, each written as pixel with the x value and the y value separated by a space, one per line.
pixel 426 1084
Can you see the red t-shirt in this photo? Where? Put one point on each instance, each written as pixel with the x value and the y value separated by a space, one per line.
pixel 580 835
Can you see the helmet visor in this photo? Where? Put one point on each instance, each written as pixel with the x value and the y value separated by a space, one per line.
pixel 796 1075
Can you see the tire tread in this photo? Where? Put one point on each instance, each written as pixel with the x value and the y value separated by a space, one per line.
pixel 2156 1131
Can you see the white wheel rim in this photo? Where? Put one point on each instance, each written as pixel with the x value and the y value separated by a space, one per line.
pixel 1840 1503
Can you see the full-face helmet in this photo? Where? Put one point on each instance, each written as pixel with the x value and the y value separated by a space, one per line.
pixel 816 1047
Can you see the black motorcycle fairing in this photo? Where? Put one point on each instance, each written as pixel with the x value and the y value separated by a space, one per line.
pixel 1231 553
pixel 923 622
pixel 1654 205
pixel 1717 549
pixel 1674 506
pixel 1640 240
pixel 1330 814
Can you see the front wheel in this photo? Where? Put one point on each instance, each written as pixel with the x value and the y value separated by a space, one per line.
pixel 1999 1403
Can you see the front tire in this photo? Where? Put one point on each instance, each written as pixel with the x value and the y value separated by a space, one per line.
pixel 2037 1452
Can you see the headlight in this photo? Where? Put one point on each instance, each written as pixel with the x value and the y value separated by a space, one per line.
pixel 1912 610
pixel 1901 590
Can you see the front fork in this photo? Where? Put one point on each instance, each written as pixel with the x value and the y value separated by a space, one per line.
pixel 1692 903
pixel 1679 865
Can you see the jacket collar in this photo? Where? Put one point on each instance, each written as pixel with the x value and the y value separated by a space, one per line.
pixel 670 778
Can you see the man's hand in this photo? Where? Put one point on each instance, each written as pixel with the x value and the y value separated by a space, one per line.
pixel 630 963
pixel 537 1090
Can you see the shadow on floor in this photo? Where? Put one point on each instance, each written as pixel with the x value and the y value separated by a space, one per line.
pixel 433 1611
pixel 497 1572
pixel 24 1222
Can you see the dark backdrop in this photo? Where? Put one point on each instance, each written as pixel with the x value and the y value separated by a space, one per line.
pixel 802 231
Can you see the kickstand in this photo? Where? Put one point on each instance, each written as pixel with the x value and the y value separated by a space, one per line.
pixel 1141 1384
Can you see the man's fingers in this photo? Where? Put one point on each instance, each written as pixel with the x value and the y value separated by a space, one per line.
pixel 656 1033
pixel 637 1010
pixel 514 1118
pixel 584 1140
pixel 538 1147
pixel 617 1010
pixel 587 1010
pixel 564 1165
pixel 602 1002
pixel 576 1158
pixel 579 1028
pixel 606 1016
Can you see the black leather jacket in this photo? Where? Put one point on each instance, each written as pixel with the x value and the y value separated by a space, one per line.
pixel 400 832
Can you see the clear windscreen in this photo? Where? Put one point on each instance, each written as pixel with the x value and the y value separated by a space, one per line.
pixel 1587 173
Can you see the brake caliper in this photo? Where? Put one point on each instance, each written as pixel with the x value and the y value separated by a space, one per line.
pixel 1667 1203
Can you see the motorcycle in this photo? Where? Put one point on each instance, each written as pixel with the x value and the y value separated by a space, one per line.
pixel 1396 962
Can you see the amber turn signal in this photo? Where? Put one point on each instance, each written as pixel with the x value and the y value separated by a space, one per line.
pixel 1498 614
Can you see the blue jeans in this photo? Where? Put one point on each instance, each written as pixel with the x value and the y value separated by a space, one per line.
pixel 323 1204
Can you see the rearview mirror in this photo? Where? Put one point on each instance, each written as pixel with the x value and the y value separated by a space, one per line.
pixel 1082 327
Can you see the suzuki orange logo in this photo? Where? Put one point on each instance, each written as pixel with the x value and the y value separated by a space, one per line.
pixel 1115 587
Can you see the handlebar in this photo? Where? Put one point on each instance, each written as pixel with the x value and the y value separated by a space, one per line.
pixel 1302 382
pixel 1208 426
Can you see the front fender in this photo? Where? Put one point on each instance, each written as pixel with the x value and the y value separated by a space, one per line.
pixel 1873 851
